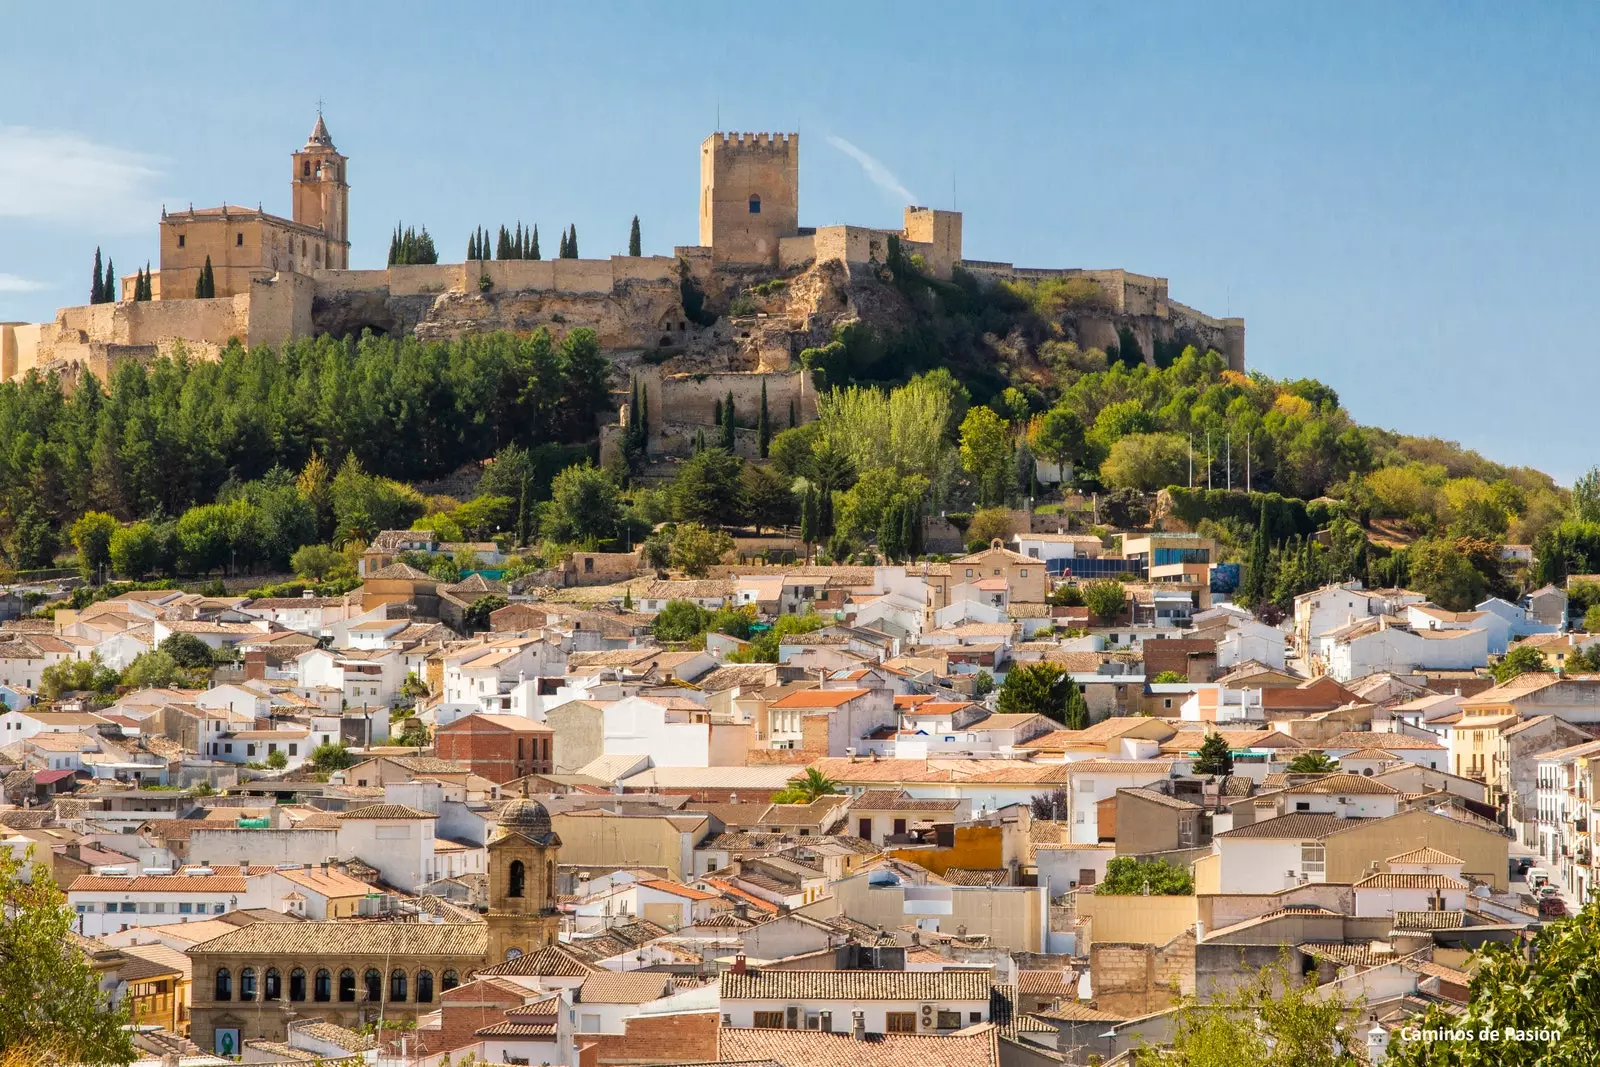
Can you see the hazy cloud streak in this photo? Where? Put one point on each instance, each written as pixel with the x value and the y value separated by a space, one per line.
pixel 881 176
pixel 64 177
pixel 11 283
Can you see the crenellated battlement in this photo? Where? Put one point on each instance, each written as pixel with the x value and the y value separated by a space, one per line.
pixel 755 142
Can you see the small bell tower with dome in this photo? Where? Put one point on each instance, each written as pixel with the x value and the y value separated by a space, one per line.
pixel 522 881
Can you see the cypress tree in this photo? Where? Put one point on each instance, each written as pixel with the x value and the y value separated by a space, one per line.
pixel 644 417
pixel 1253 586
pixel 911 529
pixel 502 245
pixel 729 436
pixel 211 280
pixel 535 243
pixel 889 534
pixel 516 242
pixel 472 246
pixel 716 411
pixel 97 291
pixel 791 413
pixel 108 293
pixel 808 516
pixel 633 238
pixel 572 242
pixel 763 423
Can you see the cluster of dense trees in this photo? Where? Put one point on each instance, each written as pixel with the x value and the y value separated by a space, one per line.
pixel 407 246
pixel 517 243
pixel 160 440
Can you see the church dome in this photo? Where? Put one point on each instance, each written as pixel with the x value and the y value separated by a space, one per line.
pixel 526 817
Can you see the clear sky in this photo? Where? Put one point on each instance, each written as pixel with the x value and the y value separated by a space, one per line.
pixel 1397 198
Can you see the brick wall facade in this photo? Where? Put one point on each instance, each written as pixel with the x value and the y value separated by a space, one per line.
pixel 688 1038
pixel 498 753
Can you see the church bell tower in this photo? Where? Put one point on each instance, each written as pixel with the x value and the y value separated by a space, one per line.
pixel 322 195
pixel 522 882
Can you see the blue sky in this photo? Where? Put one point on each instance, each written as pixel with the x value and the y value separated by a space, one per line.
pixel 1395 197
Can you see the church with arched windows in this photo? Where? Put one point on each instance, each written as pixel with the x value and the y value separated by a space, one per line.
pixel 252 982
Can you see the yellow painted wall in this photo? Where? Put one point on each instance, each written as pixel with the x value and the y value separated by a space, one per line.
pixel 1208 874
pixel 1152 920
pixel 975 846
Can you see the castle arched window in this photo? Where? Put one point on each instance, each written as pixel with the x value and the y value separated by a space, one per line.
pixel 515 879
pixel 424 987
pixel 247 984
pixel 305 169
pixel 347 986
pixel 397 986
pixel 222 987
pixel 755 204
pixel 449 981
pixel 272 988
pixel 297 984
pixel 374 983
pixel 322 988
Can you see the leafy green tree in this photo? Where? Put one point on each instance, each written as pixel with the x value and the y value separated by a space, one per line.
pixel 92 535
pixel 187 651
pixel 990 523
pixel 413 734
pixel 331 757
pixel 1591 618
pixel 52 1009
pixel 277 759
pixel 734 622
pixel 476 618
pixel 706 489
pixel 587 506
pixel 982 685
pixel 33 538
pixel 76 676
pixel 1058 436
pixel 986 454
pixel 1214 757
pixel 807 788
pixel 1105 597
pixel 680 620
pixel 132 550
pixel 154 670
pixel 315 562
pixel 695 549
pixel 764 499
pixel 1272 1020
pixel 1313 763
pixel 1550 985
pixel 1521 659
pixel 633 238
pixel 1147 461
pixel 1042 689
pixel 1445 574
pixel 1127 876
pixel 1170 678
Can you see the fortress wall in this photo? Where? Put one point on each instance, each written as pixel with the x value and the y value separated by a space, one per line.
pixel 335 282
pixel 425 279
pixel 94 322
pixel 153 322
pixel 692 398
pixel 796 251
pixel 29 338
pixel 280 309
pixel 582 275
pixel 516 275
pixel 644 268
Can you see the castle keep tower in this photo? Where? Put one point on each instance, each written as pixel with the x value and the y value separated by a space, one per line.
pixel 749 195
pixel 522 881
pixel 322 196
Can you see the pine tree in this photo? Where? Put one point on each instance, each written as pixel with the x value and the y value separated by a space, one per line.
pixel 729 424
pixel 1214 757
pixel 109 292
pixel 1253 586
pixel 534 250
pixel 633 238
pixel 97 291
pixel 763 423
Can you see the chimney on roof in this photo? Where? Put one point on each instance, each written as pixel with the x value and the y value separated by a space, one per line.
pixel 858 1025
pixel 739 964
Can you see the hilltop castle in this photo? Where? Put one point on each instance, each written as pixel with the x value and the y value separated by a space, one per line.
pixel 282 278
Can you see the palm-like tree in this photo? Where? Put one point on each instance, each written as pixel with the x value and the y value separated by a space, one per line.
pixel 805 789
pixel 1313 763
